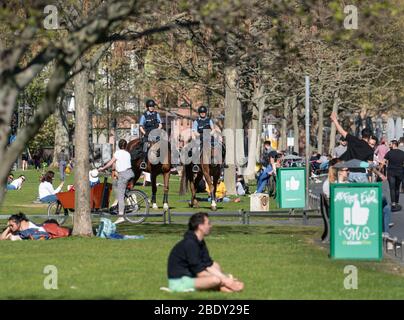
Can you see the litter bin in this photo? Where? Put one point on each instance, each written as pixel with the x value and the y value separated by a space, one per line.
pixel 356 221
pixel 291 187
pixel 259 202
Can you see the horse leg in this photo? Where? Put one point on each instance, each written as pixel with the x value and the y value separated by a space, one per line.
pixel 136 171
pixel 166 176
pixel 206 174
pixel 190 177
pixel 153 178
pixel 216 176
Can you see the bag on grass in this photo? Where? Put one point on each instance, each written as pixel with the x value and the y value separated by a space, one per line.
pixel 106 228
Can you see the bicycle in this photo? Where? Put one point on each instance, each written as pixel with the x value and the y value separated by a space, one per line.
pixel 136 203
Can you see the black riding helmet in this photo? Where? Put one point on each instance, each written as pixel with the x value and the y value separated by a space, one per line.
pixel 150 103
pixel 202 109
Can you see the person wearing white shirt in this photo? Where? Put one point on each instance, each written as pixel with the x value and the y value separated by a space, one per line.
pixel 16 184
pixel 47 193
pixel 123 166
pixel 17 223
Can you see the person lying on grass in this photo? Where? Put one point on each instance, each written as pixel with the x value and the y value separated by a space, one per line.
pixel 189 265
pixel 18 226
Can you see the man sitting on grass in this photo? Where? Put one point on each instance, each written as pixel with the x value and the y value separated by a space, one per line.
pixel 189 265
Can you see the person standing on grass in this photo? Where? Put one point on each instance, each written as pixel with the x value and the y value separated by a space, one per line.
pixel 62 162
pixel 123 166
pixel 191 268
pixel 24 158
pixel 395 167
pixel 361 149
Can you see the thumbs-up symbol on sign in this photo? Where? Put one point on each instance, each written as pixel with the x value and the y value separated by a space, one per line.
pixel 356 215
pixel 360 215
pixel 292 184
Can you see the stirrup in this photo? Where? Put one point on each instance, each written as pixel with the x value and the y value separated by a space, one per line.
pixel 143 165
pixel 195 168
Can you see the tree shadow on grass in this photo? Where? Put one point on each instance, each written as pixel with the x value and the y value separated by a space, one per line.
pixel 176 229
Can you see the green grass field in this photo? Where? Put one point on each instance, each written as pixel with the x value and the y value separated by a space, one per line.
pixel 22 200
pixel 275 262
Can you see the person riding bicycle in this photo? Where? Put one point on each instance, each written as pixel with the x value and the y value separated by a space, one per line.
pixel 199 125
pixel 149 121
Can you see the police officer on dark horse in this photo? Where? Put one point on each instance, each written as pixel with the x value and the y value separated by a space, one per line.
pixel 150 121
pixel 203 129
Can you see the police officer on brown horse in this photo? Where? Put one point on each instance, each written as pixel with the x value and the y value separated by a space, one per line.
pixel 149 121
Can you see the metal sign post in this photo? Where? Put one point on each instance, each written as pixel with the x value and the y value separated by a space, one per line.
pixel 307 104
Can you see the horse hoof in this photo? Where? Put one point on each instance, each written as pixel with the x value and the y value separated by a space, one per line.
pixel 165 206
pixel 213 206
pixel 155 206
pixel 190 205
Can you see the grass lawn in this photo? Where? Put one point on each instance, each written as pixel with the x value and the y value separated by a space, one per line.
pixel 275 262
pixel 22 200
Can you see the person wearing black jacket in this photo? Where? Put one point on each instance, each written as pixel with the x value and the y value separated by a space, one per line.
pixel 361 149
pixel 190 266
pixel 395 168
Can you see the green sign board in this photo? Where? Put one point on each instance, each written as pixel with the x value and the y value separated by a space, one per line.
pixel 291 187
pixel 356 221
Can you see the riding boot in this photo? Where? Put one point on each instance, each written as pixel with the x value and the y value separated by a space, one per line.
pixel 143 164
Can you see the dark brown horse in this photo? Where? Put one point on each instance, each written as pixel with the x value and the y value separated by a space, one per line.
pixel 163 167
pixel 206 169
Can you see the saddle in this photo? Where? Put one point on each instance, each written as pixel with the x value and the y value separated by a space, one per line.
pixel 214 144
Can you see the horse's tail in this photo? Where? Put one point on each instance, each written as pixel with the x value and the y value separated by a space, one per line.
pixel 184 182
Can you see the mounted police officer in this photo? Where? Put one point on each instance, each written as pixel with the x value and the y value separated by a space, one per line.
pixel 199 125
pixel 149 121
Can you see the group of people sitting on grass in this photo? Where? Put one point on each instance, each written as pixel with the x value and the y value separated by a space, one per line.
pixel 221 192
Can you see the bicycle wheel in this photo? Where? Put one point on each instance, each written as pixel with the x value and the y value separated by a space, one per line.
pixel 136 206
pixel 56 209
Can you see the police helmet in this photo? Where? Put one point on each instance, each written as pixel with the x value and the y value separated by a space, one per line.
pixel 150 103
pixel 202 109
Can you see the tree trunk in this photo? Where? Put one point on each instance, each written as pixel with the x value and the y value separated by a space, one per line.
pixel 8 96
pixel 333 129
pixel 254 153
pixel 320 130
pixel 82 216
pixel 61 132
pixel 232 122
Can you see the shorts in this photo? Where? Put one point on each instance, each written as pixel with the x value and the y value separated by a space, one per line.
pixel 183 284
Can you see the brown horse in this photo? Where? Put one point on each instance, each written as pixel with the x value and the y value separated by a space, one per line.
pixel 210 171
pixel 163 167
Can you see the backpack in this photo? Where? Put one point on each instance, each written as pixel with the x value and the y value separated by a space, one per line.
pixel 56 231
pixel 106 228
